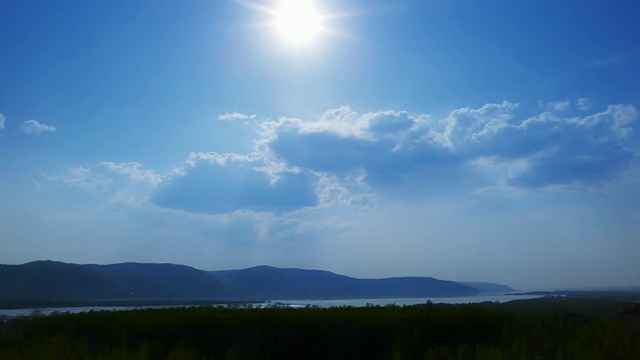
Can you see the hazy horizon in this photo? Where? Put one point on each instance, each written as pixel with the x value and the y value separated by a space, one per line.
pixel 462 140
pixel 462 281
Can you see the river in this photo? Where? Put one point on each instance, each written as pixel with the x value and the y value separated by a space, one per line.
pixel 290 303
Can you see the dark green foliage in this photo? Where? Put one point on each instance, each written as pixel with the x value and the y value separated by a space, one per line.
pixel 417 332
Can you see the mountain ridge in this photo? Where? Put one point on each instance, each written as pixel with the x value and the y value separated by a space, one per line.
pixel 54 280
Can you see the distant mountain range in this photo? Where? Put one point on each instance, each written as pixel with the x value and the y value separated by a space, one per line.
pixel 489 287
pixel 57 281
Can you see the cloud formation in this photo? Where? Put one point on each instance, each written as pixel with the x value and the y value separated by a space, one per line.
pixel 107 174
pixel 2 120
pixel 219 183
pixel 343 158
pixel 387 147
pixel 555 106
pixel 128 183
pixel 236 116
pixel 33 127
pixel 583 104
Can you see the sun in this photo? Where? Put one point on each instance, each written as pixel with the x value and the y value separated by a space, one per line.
pixel 297 21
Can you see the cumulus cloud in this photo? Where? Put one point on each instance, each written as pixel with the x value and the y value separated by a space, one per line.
pixel 345 144
pixel 391 147
pixel 2 120
pixel 215 183
pixel 236 116
pixel 383 147
pixel 343 158
pixel 553 150
pixel 33 127
pixel 464 127
pixel 218 183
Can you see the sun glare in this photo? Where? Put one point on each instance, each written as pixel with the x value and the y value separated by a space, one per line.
pixel 297 21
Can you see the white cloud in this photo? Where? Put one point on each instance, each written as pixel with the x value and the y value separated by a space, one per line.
pixel 214 157
pixel 236 116
pixel 618 118
pixel 112 185
pixel 83 178
pixel 343 158
pixel 555 106
pixel 2 120
pixel 346 123
pixel 466 125
pixel 561 105
pixel 33 127
pixel 583 104
pixel 393 147
pixel 341 121
pixel 196 158
pixel 134 171
pixel 106 174
pixel 213 183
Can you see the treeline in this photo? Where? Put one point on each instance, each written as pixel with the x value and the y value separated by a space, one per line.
pixel 414 332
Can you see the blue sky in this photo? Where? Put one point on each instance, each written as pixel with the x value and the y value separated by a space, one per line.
pixel 460 139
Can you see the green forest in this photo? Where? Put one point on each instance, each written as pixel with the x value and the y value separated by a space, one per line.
pixel 526 329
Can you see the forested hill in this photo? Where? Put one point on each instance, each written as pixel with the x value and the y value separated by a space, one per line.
pixel 50 280
pixel 269 282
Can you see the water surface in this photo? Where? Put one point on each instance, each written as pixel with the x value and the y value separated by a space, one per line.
pixel 291 303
